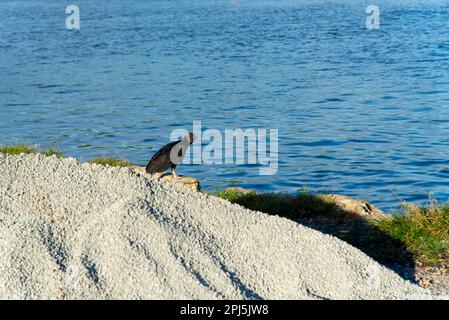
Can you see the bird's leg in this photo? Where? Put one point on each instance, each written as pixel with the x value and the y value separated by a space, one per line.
pixel 173 172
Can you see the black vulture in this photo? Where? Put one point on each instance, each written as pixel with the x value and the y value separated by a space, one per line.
pixel 170 155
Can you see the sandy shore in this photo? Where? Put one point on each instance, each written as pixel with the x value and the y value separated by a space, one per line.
pixel 81 231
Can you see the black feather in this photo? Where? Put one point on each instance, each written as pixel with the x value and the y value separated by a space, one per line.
pixel 161 160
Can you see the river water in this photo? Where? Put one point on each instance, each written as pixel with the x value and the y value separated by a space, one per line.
pixel 359 112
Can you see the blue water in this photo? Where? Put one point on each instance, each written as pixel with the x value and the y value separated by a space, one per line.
pixel 362 113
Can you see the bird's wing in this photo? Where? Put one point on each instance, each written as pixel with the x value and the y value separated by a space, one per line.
pixel 161 159
pixel 164 150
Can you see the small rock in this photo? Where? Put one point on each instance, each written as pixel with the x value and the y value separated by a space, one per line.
pixel 184 180
pixel 356 207
pixel 425 282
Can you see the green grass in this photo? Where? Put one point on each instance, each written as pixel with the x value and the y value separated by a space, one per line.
pixel 111 162
pixel 292 206
pixel 424 231
pixel 421 235
pixel 53 152
pixel 17 149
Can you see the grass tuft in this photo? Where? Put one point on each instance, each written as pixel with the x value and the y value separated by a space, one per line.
pixel 111 162
pixel 17 149
pixel 423 230
pixel 53 152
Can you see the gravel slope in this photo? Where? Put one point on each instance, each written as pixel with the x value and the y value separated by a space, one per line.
pixel 70 230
